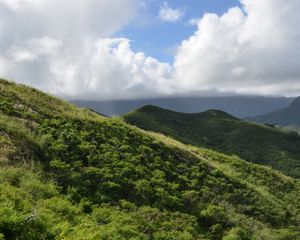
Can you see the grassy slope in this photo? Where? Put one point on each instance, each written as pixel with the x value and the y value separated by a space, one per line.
pixel 72 174
pixel 222 132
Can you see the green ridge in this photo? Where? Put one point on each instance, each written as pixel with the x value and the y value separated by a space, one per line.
pixel 68 173
pixel 218 130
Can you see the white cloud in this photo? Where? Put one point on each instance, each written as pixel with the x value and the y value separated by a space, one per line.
pixel 34 49
pixel 69 49
pixel 4 66
pixel 19 4
pixel 64 18
pixel 251 50
pixel 109 69
pixel 167 14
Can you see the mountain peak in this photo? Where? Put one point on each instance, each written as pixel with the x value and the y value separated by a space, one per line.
pixel 289 116
pixel 211 112
pixel 295 104
pixel 149 108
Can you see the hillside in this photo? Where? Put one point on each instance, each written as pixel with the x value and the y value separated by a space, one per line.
pixel 218 130
pixel 69 173
pixel 289 116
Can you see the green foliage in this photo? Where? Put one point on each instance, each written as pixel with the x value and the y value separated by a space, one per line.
pixel 71 174
pixel 219 131
pixel 237 234
pixel 49 215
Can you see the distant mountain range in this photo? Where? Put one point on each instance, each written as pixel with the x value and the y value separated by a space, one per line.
pixel 289 116
pixel 220 131
pixel 239 106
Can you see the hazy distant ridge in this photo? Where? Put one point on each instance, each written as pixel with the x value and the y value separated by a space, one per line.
pixel 239 106
pixel 289 116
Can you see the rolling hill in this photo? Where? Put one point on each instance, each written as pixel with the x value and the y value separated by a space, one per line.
pixel 289 116
pixel 69 173
pixel 239 106
pixel 220 131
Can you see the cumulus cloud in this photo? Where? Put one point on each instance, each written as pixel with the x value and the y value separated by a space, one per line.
pixel 168 14
pixel 253 50
pixel 68 49
pixel 109 69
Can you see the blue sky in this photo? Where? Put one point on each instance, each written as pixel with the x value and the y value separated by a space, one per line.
pixel 129 49
pixel 159 39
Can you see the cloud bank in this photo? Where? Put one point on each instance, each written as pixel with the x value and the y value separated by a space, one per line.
pixel 68 49
pixel 251 50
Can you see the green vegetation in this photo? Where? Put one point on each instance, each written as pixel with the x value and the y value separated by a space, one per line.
pixel 261 144
pixel 68 173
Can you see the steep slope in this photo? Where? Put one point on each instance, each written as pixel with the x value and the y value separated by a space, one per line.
pixel 219 131
pixel 289 116
pixel 67 173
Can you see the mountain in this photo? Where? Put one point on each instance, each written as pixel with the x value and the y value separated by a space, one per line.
pixel 222 132
pixel 70 173
pixel 239 106
pixel 289 116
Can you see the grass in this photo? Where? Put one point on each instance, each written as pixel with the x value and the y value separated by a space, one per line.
pixel 72 174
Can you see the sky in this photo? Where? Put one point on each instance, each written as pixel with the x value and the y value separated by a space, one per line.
pixel 130 49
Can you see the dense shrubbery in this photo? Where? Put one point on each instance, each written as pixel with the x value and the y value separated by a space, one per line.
pixel 219 131
pixel 31 209
pixel 70 174
pixel 116 163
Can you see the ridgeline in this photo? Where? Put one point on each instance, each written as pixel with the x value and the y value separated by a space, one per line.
pixel 69 173
pixel 261 144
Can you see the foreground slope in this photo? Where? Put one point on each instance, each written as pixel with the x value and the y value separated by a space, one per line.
pixel 67 173
pixel 219 131
pixel 289 116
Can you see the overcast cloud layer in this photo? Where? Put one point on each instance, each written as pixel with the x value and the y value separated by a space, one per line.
pixel 68 49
